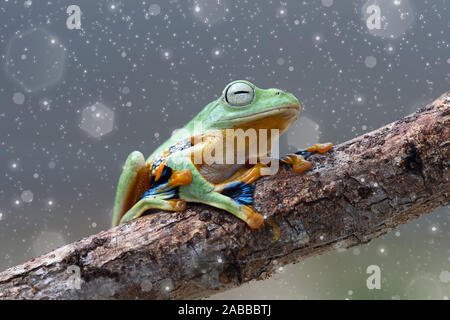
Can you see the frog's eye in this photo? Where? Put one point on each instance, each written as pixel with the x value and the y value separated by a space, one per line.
pixel 239 94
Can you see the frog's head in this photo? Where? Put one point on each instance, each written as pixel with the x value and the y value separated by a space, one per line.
pixel 243 105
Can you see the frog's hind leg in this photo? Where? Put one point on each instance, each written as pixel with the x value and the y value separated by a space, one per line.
pixel 163 193
pixel 235 195
pixel 153 202
pixel 237 202
pixel 133 182
pixel 236 198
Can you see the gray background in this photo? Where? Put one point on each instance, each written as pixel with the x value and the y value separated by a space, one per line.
pixel 75 103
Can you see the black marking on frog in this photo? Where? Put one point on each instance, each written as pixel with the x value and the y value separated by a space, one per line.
pixel 159 159
pixel 179 146
pixel 304 153
pixel 161 187
pixel 163 179
pixel 241 192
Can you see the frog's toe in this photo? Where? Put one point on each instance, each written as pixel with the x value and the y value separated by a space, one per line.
pixel 300 167
pixel 177 204
pixel 298 162
pixel 253 219
pixel 320 147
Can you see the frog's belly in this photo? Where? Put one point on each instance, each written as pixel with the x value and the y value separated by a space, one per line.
pixel 217 173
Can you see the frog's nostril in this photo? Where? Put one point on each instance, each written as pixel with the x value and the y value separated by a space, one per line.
pixel 277 93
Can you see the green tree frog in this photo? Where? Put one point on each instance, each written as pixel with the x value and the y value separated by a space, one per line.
pixel 170 177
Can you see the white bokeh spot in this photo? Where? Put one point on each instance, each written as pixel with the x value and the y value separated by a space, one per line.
pixel 47 241
pixel 153 10
pixel 97 120
pixel 27 196
pixel 35 59
pixel 370 62
pixel 396 17
pixel 18 98
pixel 444 276
pixel 210 12
pixel 424 286
pixel 304 133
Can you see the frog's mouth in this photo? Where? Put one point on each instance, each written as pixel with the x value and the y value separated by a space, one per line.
pixel 280 118
pixel 287 110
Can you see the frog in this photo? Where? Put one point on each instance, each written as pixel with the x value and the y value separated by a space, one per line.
pixel 170 177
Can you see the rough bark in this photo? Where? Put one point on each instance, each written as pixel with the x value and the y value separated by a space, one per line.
pixel 360 190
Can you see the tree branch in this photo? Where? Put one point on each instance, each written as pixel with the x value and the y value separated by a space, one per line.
pixel 360 190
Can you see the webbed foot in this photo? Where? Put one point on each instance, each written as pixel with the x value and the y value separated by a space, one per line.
pixel 298 159
pixel 320 147
pixel 298 162
pixel 253 219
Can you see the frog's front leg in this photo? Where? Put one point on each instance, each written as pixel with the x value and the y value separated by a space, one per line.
pixel 246 176
pixel 298 159
pixel 317 148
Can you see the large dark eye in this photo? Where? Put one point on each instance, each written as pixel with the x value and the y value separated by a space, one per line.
pixel 239 94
